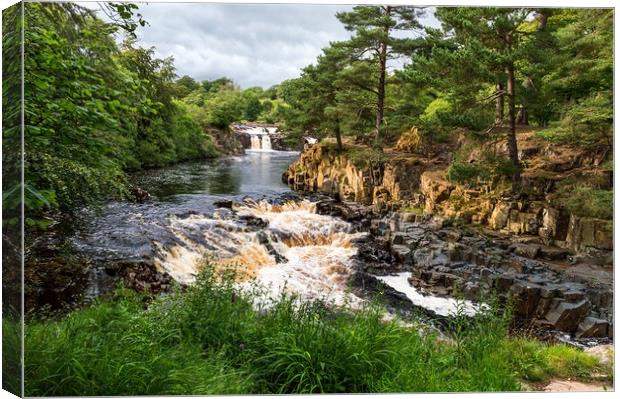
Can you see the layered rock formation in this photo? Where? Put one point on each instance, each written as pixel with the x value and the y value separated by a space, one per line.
pixel 554 265
pixel 447 260
pixel 419 182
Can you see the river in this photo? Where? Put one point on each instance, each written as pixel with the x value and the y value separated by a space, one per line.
pixel 272 242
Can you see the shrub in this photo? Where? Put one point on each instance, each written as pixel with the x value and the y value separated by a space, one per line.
pixel 488 169
pixel 587 122
pixel 586 201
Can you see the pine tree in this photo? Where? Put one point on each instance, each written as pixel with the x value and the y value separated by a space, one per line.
pixel 374 43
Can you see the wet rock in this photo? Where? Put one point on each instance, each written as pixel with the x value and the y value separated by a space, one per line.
pixel 591 327
pixel 265 241
pixel 223 204
pixel 139 194
pixel 144 276
pixel 253 222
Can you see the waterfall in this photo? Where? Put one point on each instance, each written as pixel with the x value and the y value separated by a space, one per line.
pixel 256 142
pixel 266 142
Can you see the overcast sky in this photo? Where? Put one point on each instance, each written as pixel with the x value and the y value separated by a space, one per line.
pixel 254 45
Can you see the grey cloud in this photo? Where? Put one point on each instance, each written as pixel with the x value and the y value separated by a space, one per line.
pixel 255 45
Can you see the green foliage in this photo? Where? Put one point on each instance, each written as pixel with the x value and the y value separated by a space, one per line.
pixel 114 348
pixel 93 109
pixel 365 156
pixel 587 201
pixel 487 169
pixel 211 339
pixel 536 361
pixel 587 122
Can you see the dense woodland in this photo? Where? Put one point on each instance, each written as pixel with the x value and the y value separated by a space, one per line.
pixel 98 105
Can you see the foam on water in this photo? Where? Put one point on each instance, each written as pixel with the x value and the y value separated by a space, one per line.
pixel 441 306
pixel 317 249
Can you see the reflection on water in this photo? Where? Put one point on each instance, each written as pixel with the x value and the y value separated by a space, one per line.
pixel 257 172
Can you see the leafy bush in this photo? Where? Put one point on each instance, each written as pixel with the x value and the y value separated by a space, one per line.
pixel 583 200
pixel 587 122
pixel 489 168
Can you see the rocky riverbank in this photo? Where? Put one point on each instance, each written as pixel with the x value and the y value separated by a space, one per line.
pixel 447 260
pixel 554 266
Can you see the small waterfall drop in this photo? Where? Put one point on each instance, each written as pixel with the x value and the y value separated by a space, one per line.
pixel 266 142
pixel 256 142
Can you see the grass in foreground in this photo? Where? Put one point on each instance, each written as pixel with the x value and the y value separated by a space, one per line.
pixel 211 340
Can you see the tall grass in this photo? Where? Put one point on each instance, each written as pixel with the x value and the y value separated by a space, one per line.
pixel 211 339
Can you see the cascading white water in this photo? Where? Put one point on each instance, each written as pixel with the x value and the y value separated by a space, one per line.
pixel 317 248
pixel 255 142
pixel 265 142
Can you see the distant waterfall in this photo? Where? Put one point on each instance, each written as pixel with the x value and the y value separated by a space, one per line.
pixel 265 142
pixel 256 142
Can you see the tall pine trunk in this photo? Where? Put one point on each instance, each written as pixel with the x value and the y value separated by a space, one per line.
pixel 338 136
pixel 499 104
pixel 383 47
pixel 512 131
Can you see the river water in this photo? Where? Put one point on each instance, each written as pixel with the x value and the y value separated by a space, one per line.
pixel 292 249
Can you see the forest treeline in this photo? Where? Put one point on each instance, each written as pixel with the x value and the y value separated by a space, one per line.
pixel 483 68
pixel 97 106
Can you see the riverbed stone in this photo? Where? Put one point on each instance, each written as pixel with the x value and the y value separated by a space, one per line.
pixel 591 327
pixel 565 316
pixel 526 250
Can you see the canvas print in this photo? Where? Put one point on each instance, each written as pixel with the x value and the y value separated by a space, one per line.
pixel 211 198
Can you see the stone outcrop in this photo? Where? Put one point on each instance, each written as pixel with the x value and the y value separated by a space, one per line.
pixel 542 221
pixel 418 182
pixel 323 169
pixel 449 261
pixel 226 141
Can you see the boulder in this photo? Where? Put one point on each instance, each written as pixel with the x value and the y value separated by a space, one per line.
pixel 565 316
pixel 591 327
pixel 526 250
pixel 223 204
pixel 499 216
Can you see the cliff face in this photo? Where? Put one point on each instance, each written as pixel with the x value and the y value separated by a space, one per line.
pixel 417 182
pixel 322 169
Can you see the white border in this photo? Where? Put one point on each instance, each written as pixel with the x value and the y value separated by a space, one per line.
pixel 524 3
